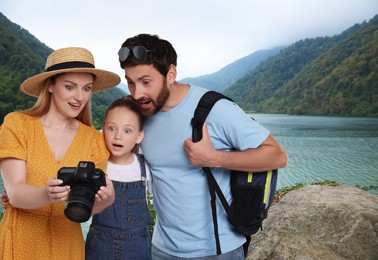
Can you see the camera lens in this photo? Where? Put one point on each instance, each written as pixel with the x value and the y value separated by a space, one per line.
pixel 80 203
pixel 77 212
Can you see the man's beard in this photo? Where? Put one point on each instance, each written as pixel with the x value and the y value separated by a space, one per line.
pixel 159 103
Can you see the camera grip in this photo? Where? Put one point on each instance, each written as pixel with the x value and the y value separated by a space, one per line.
pixel 65 174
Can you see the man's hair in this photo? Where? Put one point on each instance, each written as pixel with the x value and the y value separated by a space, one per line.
pixel 161 52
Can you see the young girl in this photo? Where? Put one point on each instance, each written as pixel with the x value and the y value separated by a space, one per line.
pixel 121 230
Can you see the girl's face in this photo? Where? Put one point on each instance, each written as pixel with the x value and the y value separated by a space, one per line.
pixel 70 93
pixel 121 132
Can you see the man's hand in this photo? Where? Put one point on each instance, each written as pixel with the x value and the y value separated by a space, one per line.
pixel 201 153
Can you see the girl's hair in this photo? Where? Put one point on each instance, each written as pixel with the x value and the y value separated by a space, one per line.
pixel 129 103
pixel 42 105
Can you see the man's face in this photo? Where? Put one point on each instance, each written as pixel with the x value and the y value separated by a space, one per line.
pixel 148 87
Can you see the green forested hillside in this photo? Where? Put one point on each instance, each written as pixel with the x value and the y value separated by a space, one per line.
pixel 222 79
pixel 22 55
pixel 322 76
pixel 101 101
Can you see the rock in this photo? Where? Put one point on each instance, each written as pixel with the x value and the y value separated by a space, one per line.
pixel 320 222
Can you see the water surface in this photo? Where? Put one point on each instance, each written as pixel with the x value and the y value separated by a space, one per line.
pixel 321 148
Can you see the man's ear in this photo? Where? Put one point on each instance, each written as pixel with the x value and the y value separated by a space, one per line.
pixel 171 75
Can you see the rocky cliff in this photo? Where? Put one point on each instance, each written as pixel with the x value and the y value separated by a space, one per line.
pixel 320 222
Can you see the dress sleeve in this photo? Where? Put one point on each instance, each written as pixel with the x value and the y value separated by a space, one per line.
pixel 13 136
pixel 100 154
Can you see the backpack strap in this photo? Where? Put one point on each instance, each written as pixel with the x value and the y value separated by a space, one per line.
pixel 204 106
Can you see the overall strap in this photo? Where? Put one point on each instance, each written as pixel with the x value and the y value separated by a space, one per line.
pixel 142 168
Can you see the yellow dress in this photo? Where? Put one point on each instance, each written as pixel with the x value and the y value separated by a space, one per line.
pixel 43 233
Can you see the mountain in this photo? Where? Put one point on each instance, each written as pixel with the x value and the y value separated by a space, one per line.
pixel 225 77
pixel 21 56
pixel 323 76
pixel 335 75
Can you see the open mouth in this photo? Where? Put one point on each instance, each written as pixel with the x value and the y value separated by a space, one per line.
pixel 75 105
pixel 118 145
pixel 143 103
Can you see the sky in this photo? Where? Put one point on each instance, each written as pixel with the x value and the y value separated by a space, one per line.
pixel 206 34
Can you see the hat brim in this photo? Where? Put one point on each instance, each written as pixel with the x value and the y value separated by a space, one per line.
pixel 103 80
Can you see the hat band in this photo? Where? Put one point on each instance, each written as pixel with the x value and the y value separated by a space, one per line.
pixel 70 65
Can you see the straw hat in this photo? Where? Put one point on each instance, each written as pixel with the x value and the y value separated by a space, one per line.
pixel 72 59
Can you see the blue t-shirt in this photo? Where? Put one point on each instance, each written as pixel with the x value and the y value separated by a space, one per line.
pixel 184 226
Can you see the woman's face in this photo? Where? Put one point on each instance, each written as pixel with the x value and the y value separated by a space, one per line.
pixel 70 93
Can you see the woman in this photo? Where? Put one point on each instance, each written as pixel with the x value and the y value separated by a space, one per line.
pixel 34 144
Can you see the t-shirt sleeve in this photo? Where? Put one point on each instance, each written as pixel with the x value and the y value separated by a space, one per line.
pixel 234 128
pixel 13 136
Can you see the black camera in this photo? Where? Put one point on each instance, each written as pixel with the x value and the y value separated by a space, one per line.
pixel 85 180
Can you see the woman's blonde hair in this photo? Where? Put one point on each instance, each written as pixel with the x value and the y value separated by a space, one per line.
pixel 42 105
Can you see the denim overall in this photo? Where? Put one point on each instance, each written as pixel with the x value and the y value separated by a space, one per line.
pixel 121 230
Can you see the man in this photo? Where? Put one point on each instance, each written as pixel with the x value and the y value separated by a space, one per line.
pixel 184 226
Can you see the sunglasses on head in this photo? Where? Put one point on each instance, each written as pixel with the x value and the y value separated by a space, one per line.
pixel 140 52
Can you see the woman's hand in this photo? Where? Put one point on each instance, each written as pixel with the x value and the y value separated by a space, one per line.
pixel 57 193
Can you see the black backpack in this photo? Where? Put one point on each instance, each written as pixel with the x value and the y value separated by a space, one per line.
pixel 252 193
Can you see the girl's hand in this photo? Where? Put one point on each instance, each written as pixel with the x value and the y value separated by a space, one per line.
pixel 106 193
pixel 4 198
pixel 105 197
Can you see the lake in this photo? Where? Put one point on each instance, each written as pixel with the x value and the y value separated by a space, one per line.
pixel 342 149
